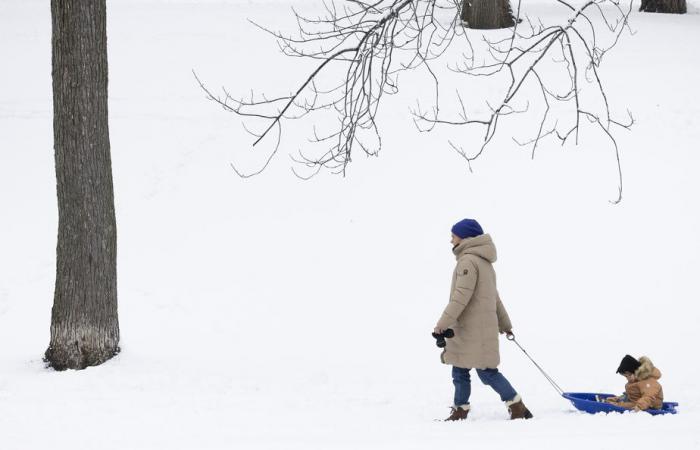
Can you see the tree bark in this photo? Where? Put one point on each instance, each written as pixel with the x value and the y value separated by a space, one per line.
pixel 487 14
pixel 664 6
pixel 84 322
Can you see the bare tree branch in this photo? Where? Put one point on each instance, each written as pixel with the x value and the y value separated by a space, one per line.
pixel 363 46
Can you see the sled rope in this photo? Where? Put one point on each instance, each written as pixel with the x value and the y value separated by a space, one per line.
pixel 546 375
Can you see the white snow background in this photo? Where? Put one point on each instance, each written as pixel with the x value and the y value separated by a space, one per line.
pixel 274 313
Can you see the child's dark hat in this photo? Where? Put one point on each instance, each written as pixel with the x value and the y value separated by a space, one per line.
pixel 628 364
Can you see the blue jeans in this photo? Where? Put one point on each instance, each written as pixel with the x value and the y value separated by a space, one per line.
pixel 490 377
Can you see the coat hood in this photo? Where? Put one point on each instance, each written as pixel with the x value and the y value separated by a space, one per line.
pixel 647 370
pixel 481 246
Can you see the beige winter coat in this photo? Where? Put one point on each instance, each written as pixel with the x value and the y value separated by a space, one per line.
pixel 475 311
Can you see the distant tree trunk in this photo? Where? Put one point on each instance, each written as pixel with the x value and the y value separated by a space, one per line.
pixel 84 323
pixel 664 6
pixel 487 14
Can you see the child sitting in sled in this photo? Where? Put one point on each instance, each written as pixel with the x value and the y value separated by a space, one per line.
pixel 642 390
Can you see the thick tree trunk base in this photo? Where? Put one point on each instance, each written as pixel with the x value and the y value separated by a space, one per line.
pixel 487 14
pixel 84 317
pixel 77 357
pixel 664 6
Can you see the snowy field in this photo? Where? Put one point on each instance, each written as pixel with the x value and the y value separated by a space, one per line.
pixel 273 313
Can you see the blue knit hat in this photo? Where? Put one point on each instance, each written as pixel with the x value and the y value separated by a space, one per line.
pixel 467 228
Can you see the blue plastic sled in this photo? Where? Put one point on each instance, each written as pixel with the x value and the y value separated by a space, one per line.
pixel 589 402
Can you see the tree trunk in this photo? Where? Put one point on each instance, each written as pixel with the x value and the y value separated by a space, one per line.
pixel 84 322
pixel 487 14
pixel 664 6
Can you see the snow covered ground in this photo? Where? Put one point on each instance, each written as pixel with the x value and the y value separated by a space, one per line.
pixel 273 313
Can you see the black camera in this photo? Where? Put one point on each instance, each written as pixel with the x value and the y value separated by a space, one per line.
pixel 440 338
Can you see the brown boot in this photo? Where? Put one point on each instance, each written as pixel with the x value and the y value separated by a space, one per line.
pixel 458 413
pixel 517 409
